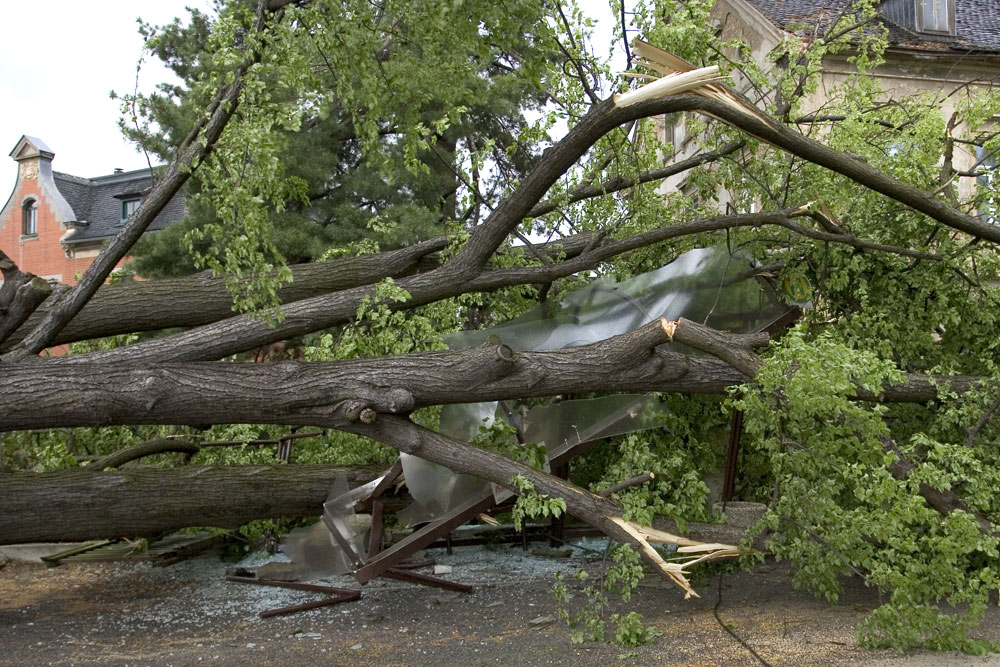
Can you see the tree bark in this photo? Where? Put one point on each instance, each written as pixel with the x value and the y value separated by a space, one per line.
pixel 335 393
pixel 26 300
pixel 20 295
pixel 201 299
pixel 84 504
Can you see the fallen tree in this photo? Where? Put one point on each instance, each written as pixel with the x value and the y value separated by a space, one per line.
pixel 886 252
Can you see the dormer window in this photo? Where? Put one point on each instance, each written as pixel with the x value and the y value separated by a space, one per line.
pixel 29 218
pixel 129 207
pixel 936 16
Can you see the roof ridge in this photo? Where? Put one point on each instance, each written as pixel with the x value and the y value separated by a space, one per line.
pixel 132 174
pixel 63 174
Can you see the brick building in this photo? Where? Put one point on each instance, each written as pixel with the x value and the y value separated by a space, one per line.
pixel 54 224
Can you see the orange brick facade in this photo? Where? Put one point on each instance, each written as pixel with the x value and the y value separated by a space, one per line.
pixel 74 216
pixel 42 254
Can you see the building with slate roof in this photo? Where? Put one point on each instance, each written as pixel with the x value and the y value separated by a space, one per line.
pixel 948 48
pixel 959 27
pixel 54 224
pixel 934 45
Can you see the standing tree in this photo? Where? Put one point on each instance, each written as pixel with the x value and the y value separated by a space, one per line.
pixel 390 194
pixel 869 425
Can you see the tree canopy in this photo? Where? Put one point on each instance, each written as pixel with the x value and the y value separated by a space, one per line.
pixel 459 163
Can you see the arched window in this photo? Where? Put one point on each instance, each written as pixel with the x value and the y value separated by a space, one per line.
pixel 29 217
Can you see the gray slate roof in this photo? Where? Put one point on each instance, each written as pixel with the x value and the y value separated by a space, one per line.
pixel 977 23
pixel 98 202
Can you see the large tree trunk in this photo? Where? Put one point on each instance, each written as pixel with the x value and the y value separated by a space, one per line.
pixel 82 504
pixel 335 393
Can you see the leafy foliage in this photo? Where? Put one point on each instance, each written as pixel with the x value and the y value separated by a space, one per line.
pixel 328 148
pixel 532 504
pixel 837 508
pixel 589 620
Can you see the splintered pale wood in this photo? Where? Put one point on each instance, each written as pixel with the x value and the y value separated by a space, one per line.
pixel 642 536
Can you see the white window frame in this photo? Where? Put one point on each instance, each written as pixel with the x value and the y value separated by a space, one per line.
pixel 129 206
pixel 29 218
pixel 936 16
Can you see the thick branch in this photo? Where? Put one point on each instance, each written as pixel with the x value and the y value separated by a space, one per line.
pixel 13 278
pixel 556 161
pixel 945 502
pixel 737 350
pixel 20 295
pixel 27 298
pixel 143 449
pixel 604 117
pixel 599 512
pixel 984 419
pixel 852 167
pixel 297 393
pixel 202 299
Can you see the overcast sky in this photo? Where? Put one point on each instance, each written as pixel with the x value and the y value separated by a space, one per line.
pixel 59 61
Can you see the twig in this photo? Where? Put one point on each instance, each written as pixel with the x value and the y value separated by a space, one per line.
pixel 986 416
pixel 628 483
pixel 143 449
pixel 587 191
pixel 581 72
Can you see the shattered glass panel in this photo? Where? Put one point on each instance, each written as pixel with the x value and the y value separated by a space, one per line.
pixel 463 422
pixel 435 489
pixel 568 423
pixel 314 549
pixel 707 285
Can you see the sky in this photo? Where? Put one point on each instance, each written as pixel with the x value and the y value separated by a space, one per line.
pixel 59 61
pixel 62 60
